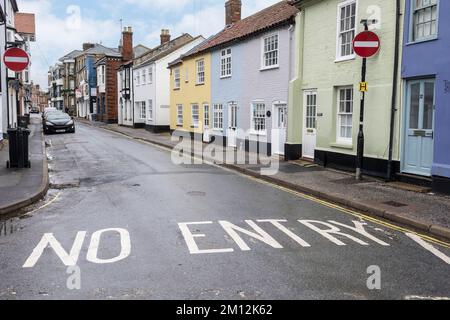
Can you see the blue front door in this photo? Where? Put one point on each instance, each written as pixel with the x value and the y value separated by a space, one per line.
pixel 419 127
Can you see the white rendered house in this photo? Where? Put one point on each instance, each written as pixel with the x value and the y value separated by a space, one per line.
pixel 151 81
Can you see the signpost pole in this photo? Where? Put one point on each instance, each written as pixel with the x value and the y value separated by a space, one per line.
pixel 360 150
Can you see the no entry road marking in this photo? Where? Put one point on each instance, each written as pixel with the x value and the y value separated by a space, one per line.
pixel 333 231
pixel 71 258
pixel 429 247
pixel 328 204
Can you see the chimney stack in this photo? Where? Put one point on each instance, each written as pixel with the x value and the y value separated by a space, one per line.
pixel 87 46
pixel 233 11
pixel 126 48
pixel 165 36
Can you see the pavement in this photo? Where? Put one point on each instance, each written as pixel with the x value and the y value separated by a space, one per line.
pixel 125 222
pixel 400 203
pixel 22 187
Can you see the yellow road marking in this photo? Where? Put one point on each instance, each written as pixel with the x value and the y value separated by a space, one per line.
pixel 308 197
pixel 47 204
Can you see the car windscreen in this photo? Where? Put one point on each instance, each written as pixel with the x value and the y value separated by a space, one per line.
pixel 58 117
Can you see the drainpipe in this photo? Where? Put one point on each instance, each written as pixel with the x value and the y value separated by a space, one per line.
pixel 394 91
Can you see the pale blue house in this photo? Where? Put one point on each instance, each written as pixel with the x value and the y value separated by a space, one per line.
pixel 426 75
pixel 250 74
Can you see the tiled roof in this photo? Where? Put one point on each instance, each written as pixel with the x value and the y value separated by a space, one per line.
pixel 140 50
pixel 190 52
pixel 268 18
pixel 100 49
pixel 25 23
pixel 71 55
pixel 163 50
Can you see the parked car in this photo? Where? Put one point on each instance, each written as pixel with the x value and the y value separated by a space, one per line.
pixel 47 110
pixel 58 122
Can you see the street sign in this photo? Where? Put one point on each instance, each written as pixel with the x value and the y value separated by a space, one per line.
pixel 366 44
pixel 16 59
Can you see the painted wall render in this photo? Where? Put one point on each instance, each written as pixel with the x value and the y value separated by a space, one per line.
pixel 319 69
pixel 249 83
pixel 431 59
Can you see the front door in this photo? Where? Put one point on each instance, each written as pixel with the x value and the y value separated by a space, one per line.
pixel 309 124
pixel 206 123
pixel 232 125
pixel 279 126
pixel 419 135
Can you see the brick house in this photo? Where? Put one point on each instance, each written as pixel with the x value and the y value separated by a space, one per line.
pixel 107 84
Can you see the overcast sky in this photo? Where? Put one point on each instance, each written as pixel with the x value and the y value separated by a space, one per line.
pixel 63 25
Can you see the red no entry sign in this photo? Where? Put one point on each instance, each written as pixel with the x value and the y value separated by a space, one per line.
pixel 366 44
pixel 16 59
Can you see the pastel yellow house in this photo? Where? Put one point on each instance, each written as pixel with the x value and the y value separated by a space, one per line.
pixel 190 94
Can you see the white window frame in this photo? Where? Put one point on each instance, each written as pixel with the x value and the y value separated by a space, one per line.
pixel 150 110
pixel 138 77
pixel 144 76
pixel 253 128
pixel 339 57
pixel 218 117
pixel 200 73
pixel 150 75
pixel 180 119
pixel 263 52
pixel 226 63
pixel 339 114
pixel 195 116
pixel 206 115
pixel 142 110
pixel 177 78
pixel 412 34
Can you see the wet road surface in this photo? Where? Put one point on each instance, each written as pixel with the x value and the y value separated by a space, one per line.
pixel 123 222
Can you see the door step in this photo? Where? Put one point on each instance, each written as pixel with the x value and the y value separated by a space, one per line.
pixel 425 182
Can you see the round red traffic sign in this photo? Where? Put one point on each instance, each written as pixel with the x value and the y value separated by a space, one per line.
pixel 16 59
pixel 366 44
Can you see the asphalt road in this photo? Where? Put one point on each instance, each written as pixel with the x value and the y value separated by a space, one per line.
pixel 132 191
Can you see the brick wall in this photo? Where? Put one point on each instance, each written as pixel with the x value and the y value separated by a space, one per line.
pixel 111 90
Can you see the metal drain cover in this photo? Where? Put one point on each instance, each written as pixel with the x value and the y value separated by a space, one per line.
pixel 196 193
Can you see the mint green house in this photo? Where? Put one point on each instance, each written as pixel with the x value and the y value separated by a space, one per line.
pixel 324 97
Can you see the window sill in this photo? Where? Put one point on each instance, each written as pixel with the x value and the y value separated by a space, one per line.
pixel 225 77
pixel 179 126
pixel 269 68
pixel 199 84
pixel 342 145
pixel 176 89
pixel 421 41
pixel 343 59
pixel 258 133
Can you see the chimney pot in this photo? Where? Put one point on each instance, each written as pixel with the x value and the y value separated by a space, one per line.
pixel 126 47
pixel 87 46
pixel 165 36
pixel 233 12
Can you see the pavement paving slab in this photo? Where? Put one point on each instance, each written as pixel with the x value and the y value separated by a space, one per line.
pixel 21 187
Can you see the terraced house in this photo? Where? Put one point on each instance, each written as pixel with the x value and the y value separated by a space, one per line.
pixel 426 76
pixel 151 81
pixel 250 72
pixel 324 108
pixel 190 94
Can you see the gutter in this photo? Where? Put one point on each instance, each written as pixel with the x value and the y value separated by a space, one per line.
pixel 394 91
